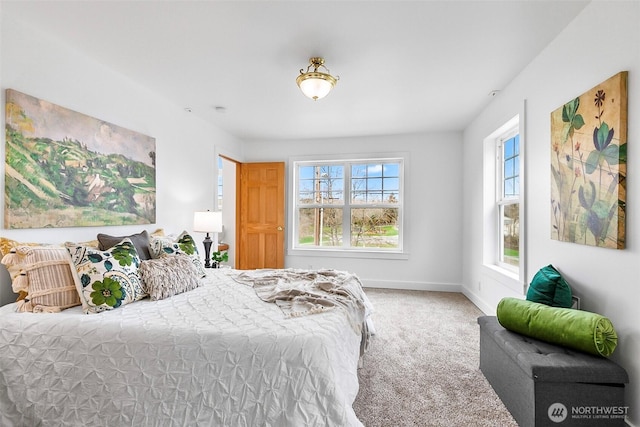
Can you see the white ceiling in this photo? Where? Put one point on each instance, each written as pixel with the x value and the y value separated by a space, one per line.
pixel 404 66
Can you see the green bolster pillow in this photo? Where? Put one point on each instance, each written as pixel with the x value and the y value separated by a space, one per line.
pixel 576 329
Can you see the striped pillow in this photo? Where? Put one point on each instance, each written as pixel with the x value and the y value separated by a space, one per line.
pixel 45 274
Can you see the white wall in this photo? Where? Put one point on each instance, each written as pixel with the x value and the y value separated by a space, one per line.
pixel 603 40
pixel 444 210
pixel 185 166
pixel 432 207
pixel 228 235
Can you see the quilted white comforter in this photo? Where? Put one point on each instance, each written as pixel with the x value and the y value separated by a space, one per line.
pixel 214 356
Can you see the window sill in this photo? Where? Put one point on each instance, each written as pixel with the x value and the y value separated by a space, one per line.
pixel 337 253
pixel 505 277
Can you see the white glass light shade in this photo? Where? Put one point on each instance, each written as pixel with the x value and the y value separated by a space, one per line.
pixel 316 85
pixel 207 222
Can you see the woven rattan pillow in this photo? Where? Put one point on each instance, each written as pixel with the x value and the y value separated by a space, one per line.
pixel 7 244
pixel 45 274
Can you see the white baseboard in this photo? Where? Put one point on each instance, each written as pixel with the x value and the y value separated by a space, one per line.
pixel 411 286
pixel 478 302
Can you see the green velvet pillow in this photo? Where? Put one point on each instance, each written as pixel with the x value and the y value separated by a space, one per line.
pixel 549 287
pixel 576 329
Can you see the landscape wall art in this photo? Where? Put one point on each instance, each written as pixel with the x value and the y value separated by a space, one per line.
pixel 589 166
pixel 67 169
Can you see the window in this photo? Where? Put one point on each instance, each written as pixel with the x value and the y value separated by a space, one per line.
pixel 508 200
pixel 503 205
pixel 348 204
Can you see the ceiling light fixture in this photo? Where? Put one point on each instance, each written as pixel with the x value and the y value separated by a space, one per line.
pixel 315 84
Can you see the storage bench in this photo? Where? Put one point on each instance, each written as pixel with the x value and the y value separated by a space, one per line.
pixel 542 384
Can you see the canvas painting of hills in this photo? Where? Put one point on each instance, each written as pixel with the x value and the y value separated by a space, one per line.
pixel 67 169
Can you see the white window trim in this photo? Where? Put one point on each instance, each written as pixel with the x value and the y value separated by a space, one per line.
pixel 502 201
pixel 369 253
pixel 514 279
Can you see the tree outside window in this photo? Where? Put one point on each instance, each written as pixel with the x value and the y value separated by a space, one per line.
pixel 509 200
pixel 365 194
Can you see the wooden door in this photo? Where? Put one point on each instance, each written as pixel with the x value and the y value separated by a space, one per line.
pixel 260 216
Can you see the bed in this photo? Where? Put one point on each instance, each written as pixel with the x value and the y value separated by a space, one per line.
pixel 217 355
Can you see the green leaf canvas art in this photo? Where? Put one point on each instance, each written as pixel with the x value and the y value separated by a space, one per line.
pixel 589 166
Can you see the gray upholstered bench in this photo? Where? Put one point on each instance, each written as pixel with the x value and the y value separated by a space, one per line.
pixel 544 384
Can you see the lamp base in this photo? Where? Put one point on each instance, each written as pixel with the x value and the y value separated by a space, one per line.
pixel 207 251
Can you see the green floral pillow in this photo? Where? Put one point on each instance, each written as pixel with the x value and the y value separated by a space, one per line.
pixel 182 245
pixel 107 279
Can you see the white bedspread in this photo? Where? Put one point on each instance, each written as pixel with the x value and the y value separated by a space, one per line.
pixel 214 356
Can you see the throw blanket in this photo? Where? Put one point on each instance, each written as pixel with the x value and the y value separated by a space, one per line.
pixel 304 292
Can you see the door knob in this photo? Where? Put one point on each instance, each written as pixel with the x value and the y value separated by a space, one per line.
pixel 280 228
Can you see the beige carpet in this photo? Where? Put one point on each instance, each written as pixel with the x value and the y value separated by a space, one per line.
pixel 422 368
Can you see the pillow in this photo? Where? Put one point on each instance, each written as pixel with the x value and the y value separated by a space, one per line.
pixel 158 233
pixel 5 247
pixel 7 244
pixel 44 276
pixel 577 329
pixel 107 279
pixel 182 245
pixel 91 243
pixel 168 276
pixel 549 287
pixel 140 241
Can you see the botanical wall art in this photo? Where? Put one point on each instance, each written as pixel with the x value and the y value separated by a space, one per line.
pixel 589 166
pixel 66 169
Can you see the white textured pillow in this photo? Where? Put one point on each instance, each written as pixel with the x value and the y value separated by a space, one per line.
pixel 182 245
pixel 168 276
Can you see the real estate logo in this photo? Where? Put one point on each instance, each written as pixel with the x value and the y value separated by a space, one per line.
pixel 557 412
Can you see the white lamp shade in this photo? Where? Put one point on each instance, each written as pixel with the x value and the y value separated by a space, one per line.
pixel 207 222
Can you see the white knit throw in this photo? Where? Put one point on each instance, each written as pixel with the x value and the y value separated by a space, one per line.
pixel 304 292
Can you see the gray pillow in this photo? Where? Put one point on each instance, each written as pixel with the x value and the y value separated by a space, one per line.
pixel 140 241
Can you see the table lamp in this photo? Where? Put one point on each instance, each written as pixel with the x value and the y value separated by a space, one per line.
pixel 208 222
